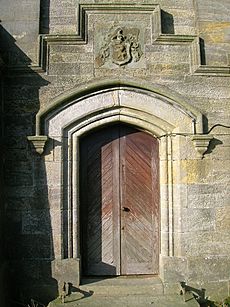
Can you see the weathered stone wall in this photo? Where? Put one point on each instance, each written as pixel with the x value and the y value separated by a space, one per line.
pixel 2 255
pixel 213 26
pixel 33 184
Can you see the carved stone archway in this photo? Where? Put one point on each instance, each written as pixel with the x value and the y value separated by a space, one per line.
pixel 159 112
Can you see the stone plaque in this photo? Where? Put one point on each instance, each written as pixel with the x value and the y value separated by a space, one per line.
pixel 121 47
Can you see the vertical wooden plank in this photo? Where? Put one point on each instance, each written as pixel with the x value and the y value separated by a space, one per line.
pixel 116 201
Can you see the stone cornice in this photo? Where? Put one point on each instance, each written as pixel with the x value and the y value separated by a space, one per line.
pixel 154 11
pixel 213 70
pixel 172 39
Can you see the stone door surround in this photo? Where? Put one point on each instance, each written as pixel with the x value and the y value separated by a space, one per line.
pixel 155 110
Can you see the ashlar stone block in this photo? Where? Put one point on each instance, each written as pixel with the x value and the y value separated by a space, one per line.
pixel 209 268
pixel 174 269
pixel 223 219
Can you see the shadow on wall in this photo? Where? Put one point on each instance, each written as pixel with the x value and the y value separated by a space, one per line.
pixel 28 231
pixel 167 23
pixel 2 259
pixel 167 27
pixel 44 16
pixel 202 52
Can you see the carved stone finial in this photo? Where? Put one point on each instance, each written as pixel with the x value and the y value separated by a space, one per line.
pixel 38 142
pixel 201 142
pixel 120 47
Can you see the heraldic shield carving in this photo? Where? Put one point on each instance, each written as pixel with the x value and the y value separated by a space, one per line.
pixel 121 47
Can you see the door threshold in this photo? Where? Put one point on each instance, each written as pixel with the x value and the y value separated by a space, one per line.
pixel 123 286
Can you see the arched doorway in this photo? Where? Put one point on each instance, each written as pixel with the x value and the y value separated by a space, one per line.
pixel 70 117
pixel 119 201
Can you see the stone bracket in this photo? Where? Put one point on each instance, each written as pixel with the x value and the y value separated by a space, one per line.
pixel 38 142
pixel 201 143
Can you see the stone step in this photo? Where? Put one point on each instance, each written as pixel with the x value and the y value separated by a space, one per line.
pixel 124 301
pixel 124 286
pixel 122 291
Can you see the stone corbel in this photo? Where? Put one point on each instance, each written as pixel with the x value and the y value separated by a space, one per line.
pixel 38 142
pixel 201 143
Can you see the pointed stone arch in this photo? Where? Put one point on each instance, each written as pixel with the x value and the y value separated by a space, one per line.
pixel 156 110
pixel 115 90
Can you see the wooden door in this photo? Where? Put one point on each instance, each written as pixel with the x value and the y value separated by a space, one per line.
pixel 119 199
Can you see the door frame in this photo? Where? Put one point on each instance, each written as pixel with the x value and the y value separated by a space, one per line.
pixel 165 173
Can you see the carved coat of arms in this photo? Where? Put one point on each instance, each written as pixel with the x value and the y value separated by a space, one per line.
pixel 120 48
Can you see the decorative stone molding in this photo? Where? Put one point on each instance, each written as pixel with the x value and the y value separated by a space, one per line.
pixel 201 142
pixel 154 11
pixel 38 142
pixel 98 86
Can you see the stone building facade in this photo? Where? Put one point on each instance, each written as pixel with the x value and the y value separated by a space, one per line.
pixel 74 66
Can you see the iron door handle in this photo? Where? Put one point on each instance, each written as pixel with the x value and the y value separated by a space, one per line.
pixel 125 209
